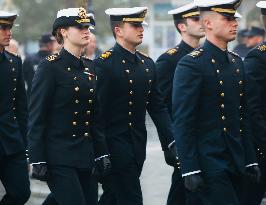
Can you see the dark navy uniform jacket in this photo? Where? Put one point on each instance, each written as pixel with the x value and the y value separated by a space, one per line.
pixel 211 124
pixel 30 65
pixel 127 87
pixel 255 67
pixel 13 104
pixel 62 114
pixel 166 65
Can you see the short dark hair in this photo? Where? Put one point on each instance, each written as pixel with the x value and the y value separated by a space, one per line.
pixel 179 21
pixel 58 35
pixel 114 24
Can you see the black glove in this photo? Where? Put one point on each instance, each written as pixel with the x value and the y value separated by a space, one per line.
pixel 194 182
pixel 102 168
pixel 170 156
pixel 253 173
pixel 39 171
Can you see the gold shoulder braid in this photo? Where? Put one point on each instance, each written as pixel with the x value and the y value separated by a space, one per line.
pixel 172 51
pixel 196 53
pixel 262 47
pixel 52 57
pixel 106 54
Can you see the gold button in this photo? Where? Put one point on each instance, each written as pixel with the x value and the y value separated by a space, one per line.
pixel 14 99
pixel 91 90
pixel 225 129
pixel 74 123
pixel 223 117
pixel 130 113
pixel 76 101
pixel 87 123
pixel 150 81
pixel 240 107
pixel 15 79
pixel 147 70
pixel 69 69
pixel 240 130
pixel 131 92
pixel 88 112
pixel 130 81
pixel 241 94
pixel 240 82
pixel 221 82
pixel 218 71
pixel 14 118
pixel 14 108
pixel 77 89
pixel 11 60
pixel 86 134
pixel 222 105
pixel 130 124
pixel 213 61
pixel 237 71
pixel 75 113
pixel 142 61
pixel 13 69
pixel 123 61
pixel 130 103
pixel 73 135
pixel 15 89
pixel 222 94
pixel 233 60
pixel 241 118
pixel 149 92
pixel 147 102
pixel 128 71
pixel 90 101
pixel 86 69
pixel 75 78
pixel 201 49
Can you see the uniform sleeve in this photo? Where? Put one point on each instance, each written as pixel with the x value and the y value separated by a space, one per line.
pixel 255 87
pixel 165 79
pixel 159 114
pixel 43 87
pixel 21 104
pixel 185 99
pixel 103 83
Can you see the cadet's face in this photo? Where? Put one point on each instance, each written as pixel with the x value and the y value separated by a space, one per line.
pixel 194 28
pixel 253 41
pixel 5 35
pixel 132 33
pixel 77 36
pixel 224 28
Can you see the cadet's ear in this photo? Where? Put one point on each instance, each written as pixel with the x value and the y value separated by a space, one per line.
pixel 182 27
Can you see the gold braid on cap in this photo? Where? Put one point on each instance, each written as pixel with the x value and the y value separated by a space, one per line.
pixel 196 13
pixel 221 10
pixel 83 16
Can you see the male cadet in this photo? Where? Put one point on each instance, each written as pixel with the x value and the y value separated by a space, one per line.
pixel 212 133
pixel 186 19
pixel 255 67
pixel 46 47
pixel 13 120
pixel 127 87
pixel 255 36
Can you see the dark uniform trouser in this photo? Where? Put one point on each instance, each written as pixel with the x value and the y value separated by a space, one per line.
pixel 253 193
pixel 122 187
pixel 72 186
pixel 15 178
pixel 221 188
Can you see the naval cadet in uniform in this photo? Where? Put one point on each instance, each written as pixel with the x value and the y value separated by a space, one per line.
pixel 255 68
pixel 211 126
pixel 13 121
pixel 46 44
pixel 186 20
pixel 127 88
pixel 64 136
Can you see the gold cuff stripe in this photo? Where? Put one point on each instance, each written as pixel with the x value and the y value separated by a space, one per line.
pixel 133 19
pixel 196 13
pixel 221 10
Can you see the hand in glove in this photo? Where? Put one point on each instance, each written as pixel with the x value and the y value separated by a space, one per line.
pixel 102 168
pixel 170 156
pixel 253 173
pixel 39 171
pixel 194 182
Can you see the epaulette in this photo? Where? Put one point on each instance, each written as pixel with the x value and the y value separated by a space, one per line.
pixel 262 47
pixel 144 54
pixel 106 54
pixel 196 53
pixel 233 53
pixel 52 57
pixel 172 51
